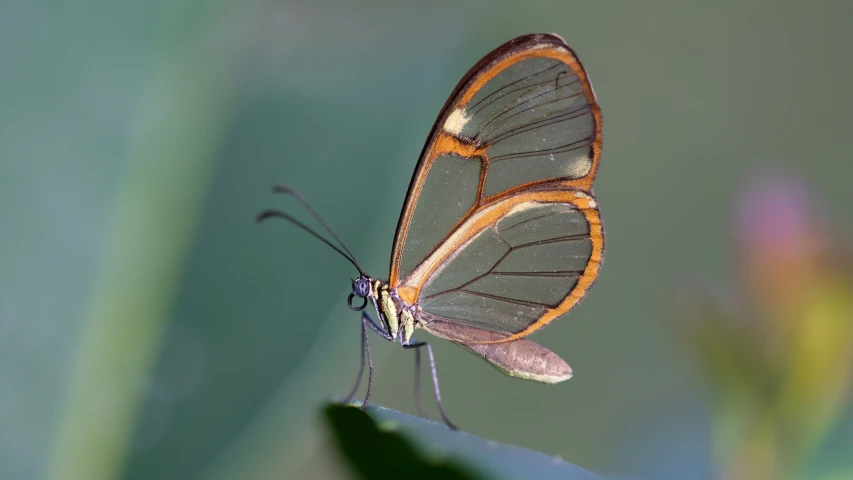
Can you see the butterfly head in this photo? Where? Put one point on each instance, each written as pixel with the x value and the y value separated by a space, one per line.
pixel 361 287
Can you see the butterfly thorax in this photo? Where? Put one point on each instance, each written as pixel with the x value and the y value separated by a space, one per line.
pixel 397 317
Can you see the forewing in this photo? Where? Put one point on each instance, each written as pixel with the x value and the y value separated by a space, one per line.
pixel 524 116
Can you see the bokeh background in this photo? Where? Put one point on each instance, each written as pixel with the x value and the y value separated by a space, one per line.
pixel 150 329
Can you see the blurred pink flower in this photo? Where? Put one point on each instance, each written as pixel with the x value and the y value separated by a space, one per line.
pixel 778 213
pixel 782 239
pixel 781 381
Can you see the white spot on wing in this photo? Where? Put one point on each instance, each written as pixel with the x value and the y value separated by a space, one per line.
pixel 579 168
pixel 456 121
pixel 592 203
pixel 540 46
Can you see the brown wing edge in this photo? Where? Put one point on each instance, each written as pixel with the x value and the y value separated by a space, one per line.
pixel 518 358
pixel 514 44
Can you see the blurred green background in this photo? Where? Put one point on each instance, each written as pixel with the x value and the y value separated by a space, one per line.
pixel 149 329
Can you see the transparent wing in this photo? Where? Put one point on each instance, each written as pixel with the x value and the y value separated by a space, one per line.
pixel 533 121
pixel 524 116
pixel 517 273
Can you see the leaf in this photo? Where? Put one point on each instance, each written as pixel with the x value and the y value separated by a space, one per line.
pixel 384 443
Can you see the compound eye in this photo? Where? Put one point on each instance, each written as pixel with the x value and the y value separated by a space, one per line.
pixel 362 287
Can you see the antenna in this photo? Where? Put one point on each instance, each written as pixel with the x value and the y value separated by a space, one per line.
pixel 279 214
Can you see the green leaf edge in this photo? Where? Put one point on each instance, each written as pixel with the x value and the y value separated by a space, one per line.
pixel 381 443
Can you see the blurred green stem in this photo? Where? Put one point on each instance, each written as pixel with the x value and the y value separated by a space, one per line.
pixel 158 207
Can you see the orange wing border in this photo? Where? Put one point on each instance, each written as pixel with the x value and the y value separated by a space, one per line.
pixel 441 142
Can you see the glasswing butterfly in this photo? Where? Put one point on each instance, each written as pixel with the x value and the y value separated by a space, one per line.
pixel 500 232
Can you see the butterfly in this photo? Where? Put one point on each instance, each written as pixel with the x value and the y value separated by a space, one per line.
pixel 500 233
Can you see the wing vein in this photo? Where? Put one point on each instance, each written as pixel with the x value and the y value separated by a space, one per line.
pixel 567 238
pixel 576 145
pixel 510 85
pixel 484 132
pixel 545 122
pixel 508 299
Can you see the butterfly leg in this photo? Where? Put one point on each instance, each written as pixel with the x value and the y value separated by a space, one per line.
pixel 434 381
pixel 364 346
pixel 369 366
pixel 366 321
pixel 418 401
